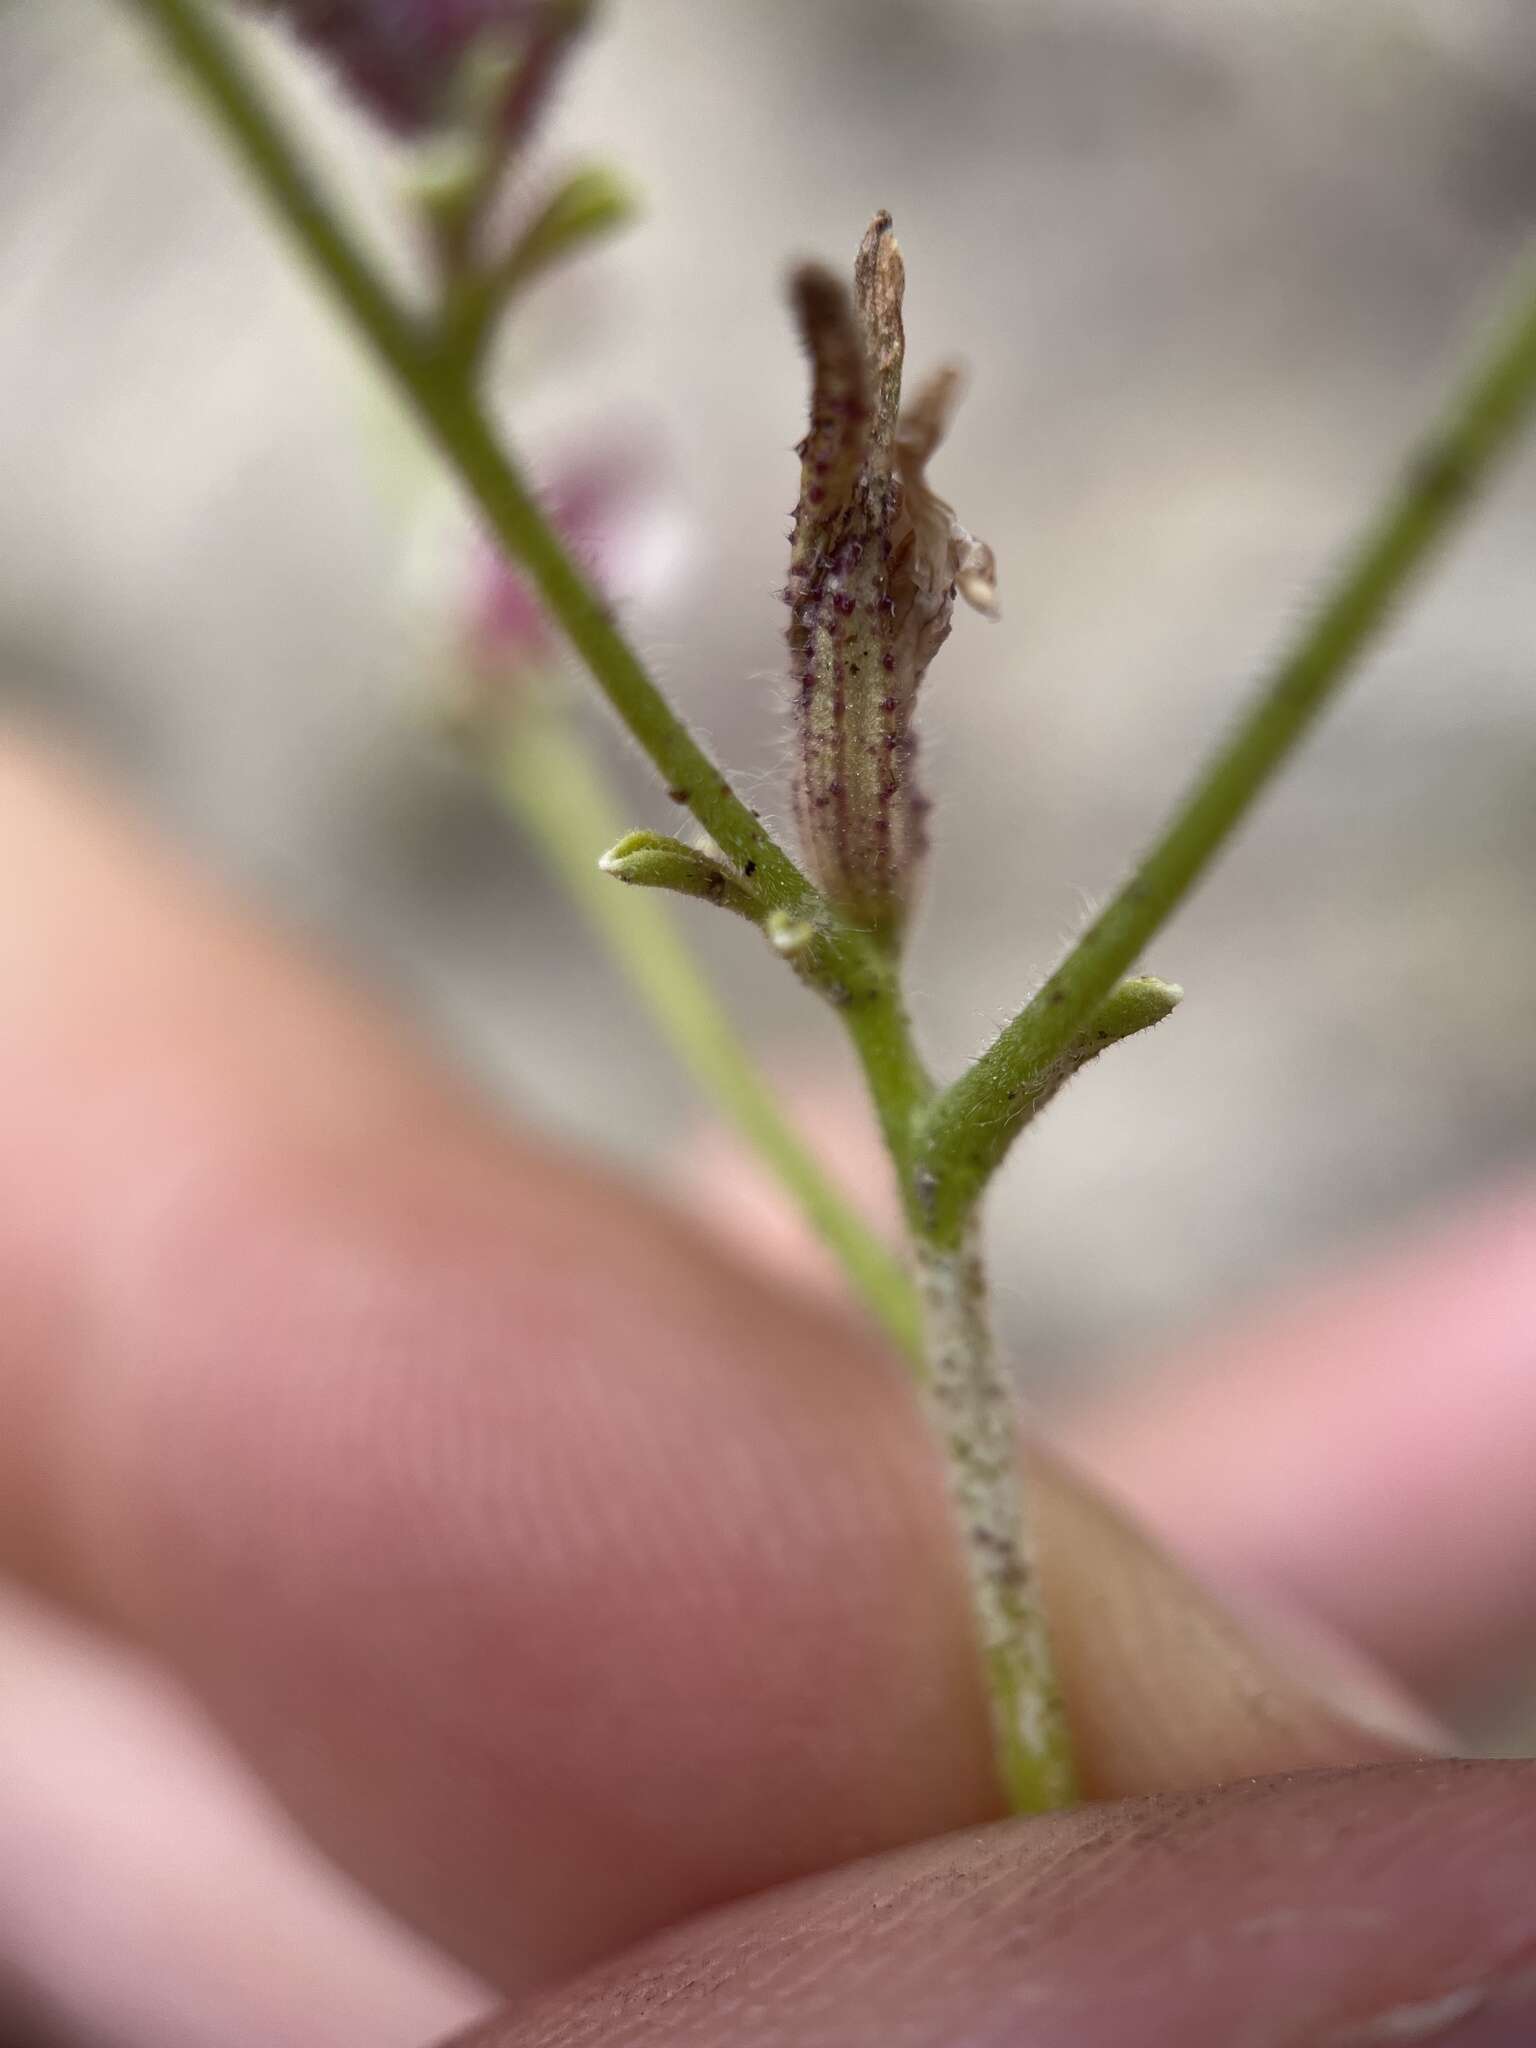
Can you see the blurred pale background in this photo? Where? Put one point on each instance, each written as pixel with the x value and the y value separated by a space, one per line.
pixel 1208 262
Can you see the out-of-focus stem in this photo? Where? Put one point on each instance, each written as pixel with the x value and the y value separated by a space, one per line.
pixel 549 782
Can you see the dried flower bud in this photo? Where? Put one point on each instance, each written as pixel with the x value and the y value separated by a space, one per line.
pixel 406 59
pixel 876 561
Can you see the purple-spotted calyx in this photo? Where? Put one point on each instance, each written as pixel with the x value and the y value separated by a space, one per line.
pixel 406 59
pixel 876 561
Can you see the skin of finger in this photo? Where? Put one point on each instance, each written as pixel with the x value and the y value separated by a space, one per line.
pixel 1330 1910
pixel 561 1576
pixel 150 1894
pixel 1365 1452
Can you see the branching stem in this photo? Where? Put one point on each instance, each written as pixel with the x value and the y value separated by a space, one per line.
pixel 965 1136
pixel 545 775
pixel 449 409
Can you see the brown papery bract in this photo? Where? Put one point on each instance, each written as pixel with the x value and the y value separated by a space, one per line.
pixel 875 563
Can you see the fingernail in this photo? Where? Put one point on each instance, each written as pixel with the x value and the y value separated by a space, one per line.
pixel 1173 1682
pixel 1472 2016
pixel 1345 1680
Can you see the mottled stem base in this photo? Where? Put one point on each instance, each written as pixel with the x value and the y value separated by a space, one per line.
pixel 973 1413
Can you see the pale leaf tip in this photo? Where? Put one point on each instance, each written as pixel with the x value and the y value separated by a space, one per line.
pixel 789 936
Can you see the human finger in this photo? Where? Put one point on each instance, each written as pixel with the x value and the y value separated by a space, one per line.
pixel 560 1575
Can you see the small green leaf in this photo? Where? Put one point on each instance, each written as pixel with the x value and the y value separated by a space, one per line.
pixel 651 860
pixel 1134 1006
pixel 591 203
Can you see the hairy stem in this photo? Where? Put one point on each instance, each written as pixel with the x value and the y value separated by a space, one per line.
pixel 546 777
pixel 964 1140
pixel 876 1020
pixel 972 1410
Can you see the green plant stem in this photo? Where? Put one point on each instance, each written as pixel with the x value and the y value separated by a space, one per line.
pixel 546 777
pixel 876 1020
pixel 449 409
pixel 973 1413
pixel 1131 1007
pixel 968 1132
pixel 690 777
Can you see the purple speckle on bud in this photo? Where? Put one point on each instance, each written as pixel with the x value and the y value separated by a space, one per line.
pixel 877 560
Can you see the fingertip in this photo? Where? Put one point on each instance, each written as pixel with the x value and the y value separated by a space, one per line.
pixel 562 1576
pixel 1389 1904
pixel 1362 1452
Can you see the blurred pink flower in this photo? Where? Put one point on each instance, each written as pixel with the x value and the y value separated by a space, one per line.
pixel 404 58
pixel 611 512
pixel 592 501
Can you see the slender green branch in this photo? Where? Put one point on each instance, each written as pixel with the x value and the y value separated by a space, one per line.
pixel 591 203
pixel 875 1018
pixel 218 68
pixel 973 1412
pixel 1132 1007
pixel 689 775
pixel 546 778
pixel 454 181
pixel 963 1141
pixel 450 411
